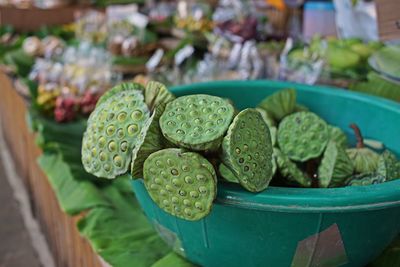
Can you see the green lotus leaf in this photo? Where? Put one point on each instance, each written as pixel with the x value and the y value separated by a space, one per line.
pixel 289 170
pixel 388 166
pixel 157 95
pixel 335 166
pixel 150 140
pixel 364 159
pixel 119 88
pixel 196 122
pixel 365 179
pixel 180 183
pixel 247 150
pixel 227 174
pixel 337 135
pixel 303 136
pixel 280 104
pixel 112 131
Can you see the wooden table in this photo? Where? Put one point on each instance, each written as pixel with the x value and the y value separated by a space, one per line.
pixel 67 246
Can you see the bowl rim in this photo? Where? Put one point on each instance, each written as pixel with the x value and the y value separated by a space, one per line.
pixel 288 199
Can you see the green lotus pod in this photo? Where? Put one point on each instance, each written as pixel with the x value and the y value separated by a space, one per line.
pixel 365 179
pixel 112 131
pixel 335 166
pixel 280 104
pixel 337 135
pixel 247 150
pixel 150 140
pixel 269 120
pixel 388 166
pixel 227 174
pixel 180 182
pixel 117 89
pixel 299 108
pixel 303 136
pixel 289 170
pixel 196 122
pixel 157 95
pixel 364 159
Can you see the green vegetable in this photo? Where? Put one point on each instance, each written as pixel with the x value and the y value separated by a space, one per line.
pixel 290 171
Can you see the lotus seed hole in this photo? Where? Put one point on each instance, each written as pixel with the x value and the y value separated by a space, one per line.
pixel 237 150
pixel 188 180
pixel 170 162
pixel 185 125
pixel 241 160
pixel 137 114
pixel 200 177
pixel 246 168
pixel 171 123
pixel 209 124
pixel 163 192
pixel 202 189
pixel 193 113
pixel 121 116
pixel 124 146
pixel 107 167
pixel 154 186
pixel 180 109
pixel 166 202
pixel 206 110
pixel 158 181
pixel 180 132
pixel 132 129
pixel 194 194
pixel 188 212
pixel 198 205
pixel 219 121
pixel 186 202
pixel 180 117
pixel 174 172
pixel 176 182
pixel 110 116
pixel 182 193
pixel 175 200
pixel 112 146
pixel 198 121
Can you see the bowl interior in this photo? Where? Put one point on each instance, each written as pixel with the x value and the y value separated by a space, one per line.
pixel 377 118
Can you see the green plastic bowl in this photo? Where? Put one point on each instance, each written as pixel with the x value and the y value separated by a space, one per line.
pixel 292 226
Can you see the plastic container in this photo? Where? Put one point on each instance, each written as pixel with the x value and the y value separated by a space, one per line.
pixel 293 226
pixel 319 18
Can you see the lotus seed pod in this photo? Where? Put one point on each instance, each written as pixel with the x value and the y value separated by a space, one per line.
pixel 388 166
pixel 289 170
pixel 280 104
pixel 180 183
pixel 299 108
pixel 157 95
pixel 112 131
pixel 269 120
pixel 150 140
pixel 227 174
pixel 335 166
pixel 196 122
pixel 365 179
pixel 337 135
pixel 119 88
pixel 247 150
pixel 364 159
pixel 303 136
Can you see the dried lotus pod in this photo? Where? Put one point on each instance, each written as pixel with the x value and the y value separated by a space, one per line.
pixel 247 150
pixel 196 122
pixel 157 95
pixel 388 166
pixel 290 171
pixel 365 179
pixel 149 141
pixel 364 159
pixel 113 129
pixel 337 135
pixel 335 166
pixel 181 183
pixel 280 104
pixel 303 136
pixel 119 88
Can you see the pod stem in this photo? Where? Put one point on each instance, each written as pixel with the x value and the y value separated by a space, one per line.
pixel 359 137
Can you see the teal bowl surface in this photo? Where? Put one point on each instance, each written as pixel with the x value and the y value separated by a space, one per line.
pixel 296 227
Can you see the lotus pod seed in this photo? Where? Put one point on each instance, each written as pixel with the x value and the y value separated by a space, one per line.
pixel 183 196
pixel 296 142
pixel 365 179
pixel 388 166
pixel 280 104
pixel 113 131
pixel 335 166
pixel 203 134
pixel 255 132
pixel 289 170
